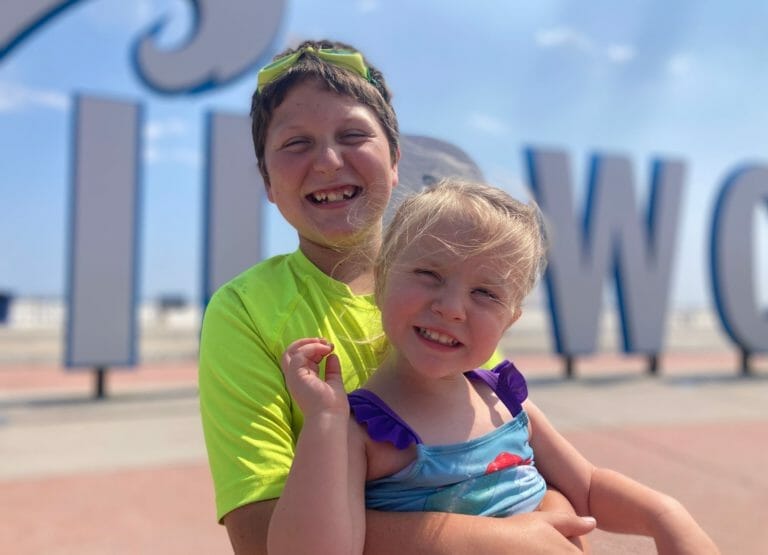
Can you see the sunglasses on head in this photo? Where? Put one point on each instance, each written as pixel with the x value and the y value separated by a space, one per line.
pixel 349 59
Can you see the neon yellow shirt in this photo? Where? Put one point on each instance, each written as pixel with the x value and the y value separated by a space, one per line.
pixel 249 420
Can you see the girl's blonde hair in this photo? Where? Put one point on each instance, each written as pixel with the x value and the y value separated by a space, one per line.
pixel 509 231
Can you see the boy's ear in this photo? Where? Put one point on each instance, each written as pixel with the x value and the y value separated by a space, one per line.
pixel 395 169
pixel 267 184
pixel 268 188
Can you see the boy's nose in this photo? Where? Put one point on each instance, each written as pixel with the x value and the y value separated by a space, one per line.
pixel 328 159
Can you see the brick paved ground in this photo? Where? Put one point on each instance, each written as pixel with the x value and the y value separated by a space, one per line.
pixel 127 475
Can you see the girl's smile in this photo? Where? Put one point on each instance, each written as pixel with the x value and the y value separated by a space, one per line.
pixel 433 336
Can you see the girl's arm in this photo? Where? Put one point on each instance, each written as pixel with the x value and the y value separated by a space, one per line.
pixel 313 514
pixel 619 503
pixel 627 506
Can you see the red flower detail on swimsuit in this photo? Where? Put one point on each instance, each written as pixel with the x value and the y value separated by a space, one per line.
pixel 504 460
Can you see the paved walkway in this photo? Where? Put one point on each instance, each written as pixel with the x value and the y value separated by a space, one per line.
pixel 127 475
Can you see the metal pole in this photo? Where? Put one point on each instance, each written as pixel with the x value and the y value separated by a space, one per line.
pixel 653 364
pixel 100 382
pixel 745 356
pixel 569 366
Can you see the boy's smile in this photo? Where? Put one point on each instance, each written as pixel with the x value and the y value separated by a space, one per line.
pixel 331 196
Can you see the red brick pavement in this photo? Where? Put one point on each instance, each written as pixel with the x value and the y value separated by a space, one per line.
pixel 716 469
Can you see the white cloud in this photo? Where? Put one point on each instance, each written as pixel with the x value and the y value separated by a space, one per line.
pixel 367 6
pixel 161 129
pixel 176 155
pixel 14 97
pixel 487 124
pixel 162 146
pixel 679 64
pixel 620 53
pixel 567 37
pixel 563 36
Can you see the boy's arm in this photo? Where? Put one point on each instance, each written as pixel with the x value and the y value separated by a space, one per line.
pixel 395 533
pixel 429 533
pixel 247 527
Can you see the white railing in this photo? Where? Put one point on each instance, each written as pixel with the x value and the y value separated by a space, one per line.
pixel 34 332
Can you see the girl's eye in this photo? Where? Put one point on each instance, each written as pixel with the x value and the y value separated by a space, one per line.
pixel 486 293
pixel 430 274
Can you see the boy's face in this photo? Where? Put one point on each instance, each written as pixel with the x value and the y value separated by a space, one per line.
pixel 329 166
pixel 443 312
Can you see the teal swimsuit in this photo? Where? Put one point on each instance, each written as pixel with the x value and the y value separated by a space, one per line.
pixel 492 475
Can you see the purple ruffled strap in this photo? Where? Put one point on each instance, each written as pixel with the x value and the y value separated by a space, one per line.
pixel 508 383
pixel 382 423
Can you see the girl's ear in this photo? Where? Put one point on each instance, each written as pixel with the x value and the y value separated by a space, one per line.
pixel 515 316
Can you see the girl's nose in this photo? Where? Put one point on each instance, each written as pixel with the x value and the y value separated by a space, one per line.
pixel 328 159
pixel 450 306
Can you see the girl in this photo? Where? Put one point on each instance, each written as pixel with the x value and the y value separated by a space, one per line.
pixel 326 141
pixel 429 432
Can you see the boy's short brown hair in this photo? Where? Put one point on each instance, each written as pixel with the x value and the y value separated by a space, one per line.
pixel 309 67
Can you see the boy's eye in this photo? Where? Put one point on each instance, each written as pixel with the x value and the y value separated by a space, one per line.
pixel 295 143
pixel 354 135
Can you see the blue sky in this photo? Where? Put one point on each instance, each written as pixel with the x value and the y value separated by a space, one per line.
pixel 683 80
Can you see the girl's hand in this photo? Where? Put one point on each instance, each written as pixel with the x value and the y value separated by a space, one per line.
pixel 301 367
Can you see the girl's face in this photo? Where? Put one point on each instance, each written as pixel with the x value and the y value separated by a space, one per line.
pixel 329 166
pixel 444 313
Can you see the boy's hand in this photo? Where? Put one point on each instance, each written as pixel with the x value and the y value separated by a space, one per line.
pixel 301 367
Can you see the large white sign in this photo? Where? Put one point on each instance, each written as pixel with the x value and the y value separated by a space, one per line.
pixel 234 196
pixel 732 260
pixel 103 261
pixel 231 37
pixel 611 238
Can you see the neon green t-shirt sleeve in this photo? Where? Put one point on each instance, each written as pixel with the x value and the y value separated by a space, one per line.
pixel 244 405
pixel 495 359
